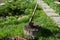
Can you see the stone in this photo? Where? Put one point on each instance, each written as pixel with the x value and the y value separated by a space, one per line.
pixel 52 15
pixel 56 19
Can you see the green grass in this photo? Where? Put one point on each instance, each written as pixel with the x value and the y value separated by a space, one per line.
pixel 11 26
pixel 53 5
pixel 17 7
pixel 50 30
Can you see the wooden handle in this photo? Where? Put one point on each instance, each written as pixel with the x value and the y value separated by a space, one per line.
pixel 33 14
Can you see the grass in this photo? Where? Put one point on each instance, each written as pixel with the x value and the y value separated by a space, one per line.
pixel 53 5
pixel 11 26
pixel 49 28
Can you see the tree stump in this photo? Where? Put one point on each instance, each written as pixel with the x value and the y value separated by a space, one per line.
pixel 31 32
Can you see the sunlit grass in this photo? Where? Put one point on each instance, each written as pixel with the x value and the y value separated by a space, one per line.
pixel 12 27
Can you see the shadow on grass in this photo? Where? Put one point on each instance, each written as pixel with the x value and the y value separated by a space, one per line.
pixel 44 32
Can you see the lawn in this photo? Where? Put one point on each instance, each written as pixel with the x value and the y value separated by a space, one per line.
pixel 12 25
